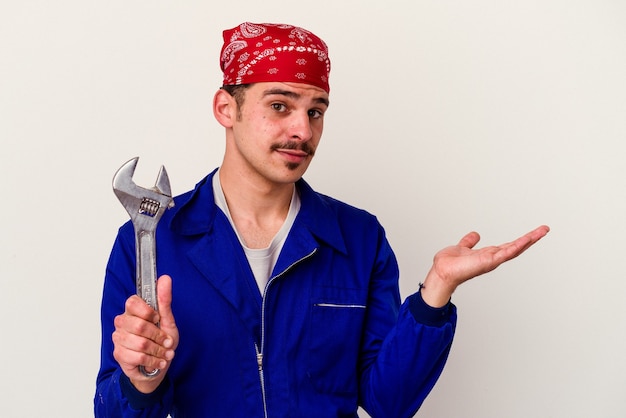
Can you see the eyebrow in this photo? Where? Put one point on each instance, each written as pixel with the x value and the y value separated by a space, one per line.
pixel 293 95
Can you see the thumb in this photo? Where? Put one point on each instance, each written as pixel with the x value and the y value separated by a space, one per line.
pixel 469 240
pixel 164 295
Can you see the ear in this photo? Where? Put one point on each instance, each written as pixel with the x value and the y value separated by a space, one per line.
pixel 224 108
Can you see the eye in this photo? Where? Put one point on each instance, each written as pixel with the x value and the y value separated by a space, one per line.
pixel 279 107
pixel 315 113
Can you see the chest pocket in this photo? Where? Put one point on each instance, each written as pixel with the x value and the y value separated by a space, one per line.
pixel 337 318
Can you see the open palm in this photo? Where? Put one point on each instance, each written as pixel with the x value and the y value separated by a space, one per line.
pixel 458 263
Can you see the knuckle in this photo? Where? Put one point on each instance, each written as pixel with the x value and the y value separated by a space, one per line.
pixel 118 355
pixel 119 321
pixel 130 303
pixel 144 345
pixel 144 328
pixel 148 361
pixel 116 337
pixel 136 306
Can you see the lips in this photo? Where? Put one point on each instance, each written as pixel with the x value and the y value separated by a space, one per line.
pixel 294 152
pixel 293 155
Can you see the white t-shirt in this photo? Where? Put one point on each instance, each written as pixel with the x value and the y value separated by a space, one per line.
pixel 261 260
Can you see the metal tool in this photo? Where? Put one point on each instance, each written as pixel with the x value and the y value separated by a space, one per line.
pixel 145 207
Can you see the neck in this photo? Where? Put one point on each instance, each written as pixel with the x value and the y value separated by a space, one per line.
pixel 258 196
pixel 258 209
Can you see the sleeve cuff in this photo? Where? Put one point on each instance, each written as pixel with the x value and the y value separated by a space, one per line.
pixel 427 315
pixel 138 400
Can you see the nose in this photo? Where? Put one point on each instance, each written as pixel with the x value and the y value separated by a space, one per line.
pixel 300 127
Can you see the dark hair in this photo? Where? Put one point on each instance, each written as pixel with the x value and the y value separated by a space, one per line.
pixel 237 91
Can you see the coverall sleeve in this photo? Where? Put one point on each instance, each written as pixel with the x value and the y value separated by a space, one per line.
pixel 404 349
pixel 115 396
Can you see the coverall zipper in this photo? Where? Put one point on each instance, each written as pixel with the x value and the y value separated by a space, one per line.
pixel 260 350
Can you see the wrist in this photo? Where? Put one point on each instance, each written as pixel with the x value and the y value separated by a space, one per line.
pixel 146 386
pixel 435 292
pixel 140 400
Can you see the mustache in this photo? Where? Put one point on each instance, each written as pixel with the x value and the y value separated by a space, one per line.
pixel 292 145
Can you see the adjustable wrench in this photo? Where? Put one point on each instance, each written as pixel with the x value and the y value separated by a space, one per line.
pixel 145 207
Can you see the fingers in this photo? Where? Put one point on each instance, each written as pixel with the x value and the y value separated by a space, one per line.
pixel 515 248
pixel 539 232
pixel 471 239
pixel 535 235
pixel 139 333
pixel 138 341
pixel 135 306
pixel 132 349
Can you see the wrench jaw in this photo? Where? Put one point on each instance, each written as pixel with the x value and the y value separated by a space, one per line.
pixel 162 185
pixel 145 207
pixel 141 201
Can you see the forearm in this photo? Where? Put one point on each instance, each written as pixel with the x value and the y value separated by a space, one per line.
pixel 410 360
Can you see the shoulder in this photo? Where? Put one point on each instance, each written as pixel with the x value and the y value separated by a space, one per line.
pixel 325 213
pixel 338 207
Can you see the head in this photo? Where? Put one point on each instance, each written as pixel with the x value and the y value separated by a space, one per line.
pixel 273 98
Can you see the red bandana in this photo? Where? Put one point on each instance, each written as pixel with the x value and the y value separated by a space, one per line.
pixel 262 52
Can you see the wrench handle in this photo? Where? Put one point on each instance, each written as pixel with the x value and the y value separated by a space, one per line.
pixel 146 277
pixel 146 268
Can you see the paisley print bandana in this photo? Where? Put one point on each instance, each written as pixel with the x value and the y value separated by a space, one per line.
pixel 265 52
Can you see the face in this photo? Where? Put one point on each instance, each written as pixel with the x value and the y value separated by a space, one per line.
pixel 276 131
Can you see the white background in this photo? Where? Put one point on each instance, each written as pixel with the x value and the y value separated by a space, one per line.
pixel 446 116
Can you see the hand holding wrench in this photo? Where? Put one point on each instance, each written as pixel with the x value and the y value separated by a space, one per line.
pixel 145 207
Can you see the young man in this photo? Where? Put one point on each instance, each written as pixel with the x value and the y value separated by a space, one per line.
pixel 276 301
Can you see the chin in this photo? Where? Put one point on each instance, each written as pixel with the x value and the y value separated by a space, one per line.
pixel 292 175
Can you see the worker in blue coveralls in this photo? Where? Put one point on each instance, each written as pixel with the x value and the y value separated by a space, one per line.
pixel 275 300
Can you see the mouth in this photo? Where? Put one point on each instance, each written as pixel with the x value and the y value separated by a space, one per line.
pixel 294 153
pixel 293 156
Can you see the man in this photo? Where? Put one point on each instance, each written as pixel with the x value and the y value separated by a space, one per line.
pixel 276 301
